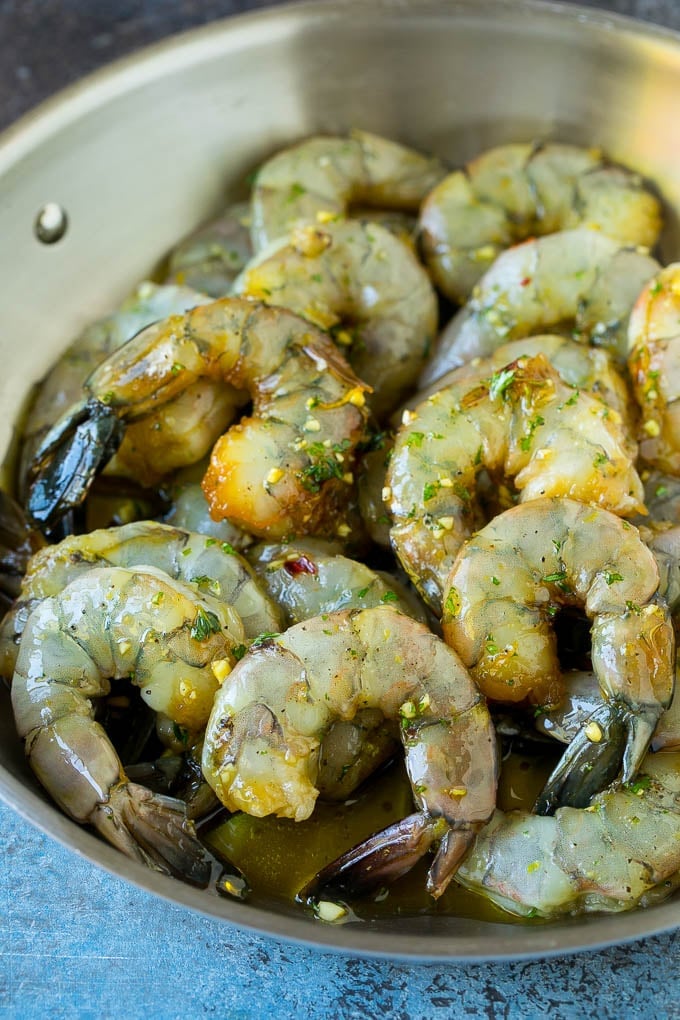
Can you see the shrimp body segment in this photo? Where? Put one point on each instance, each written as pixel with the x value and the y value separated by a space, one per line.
pixel 524 424
pixel 115 623
pixel 212 566
pixel 321 176
pixel 510 579
pixel 517 191
pixel 577 277
pixel 654 365
pixel 361 277
pixel 211 258
pixel 269 718
pixel 278 471
pixel 622 852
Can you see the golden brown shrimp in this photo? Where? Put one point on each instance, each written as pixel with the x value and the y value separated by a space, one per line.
pixel 513 576
pixel 517 191
pixel 319 177
pixel 360 281
pixel 523 424
pixel 285 469
pixel 261 747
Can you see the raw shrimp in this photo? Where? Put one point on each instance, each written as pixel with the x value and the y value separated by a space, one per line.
pixel 517 191
pixel 285 469
pixel 524 424
pixel 189 509
pixel 214 567
pixel 363 283
pixel 306 581
pixel 654 365
pixel 576 276
pixel 511 578
pixel 110 623
pixel 261 746
pixel 63 385
pixel 586 368
pixel 621 852
pixel 318 178
pixel 211 258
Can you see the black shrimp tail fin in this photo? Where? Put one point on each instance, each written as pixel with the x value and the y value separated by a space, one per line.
pixel 641 725
pixel 154 829
pixel 68 459
pixel 452 849
pixel 18 542
pixel 591 762
pixel 379 860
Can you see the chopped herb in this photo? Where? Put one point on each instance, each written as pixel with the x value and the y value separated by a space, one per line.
pixel 478 455
pixel 317 277
pixel 209 542
pixel 204 581
pixel 205 624
pixel 453 602
pixel 633 607
pixel 494 580
pixel 525 441
pixel 491 646
pixel 228 548
pixel 640 784
pixel 600 459
pixel 157 598
pixel 611 576
pixel 661 490
pixel 559 578
pixel 265 636
pixel 500 381
pixel 238 652
pixel 177 367
pixel 430 490
pixel 389 596
pixel 181 734
pixel 362 593
pixel 415 439
pixel 656 288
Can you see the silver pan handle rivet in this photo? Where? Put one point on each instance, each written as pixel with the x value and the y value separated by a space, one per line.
pixel 51 223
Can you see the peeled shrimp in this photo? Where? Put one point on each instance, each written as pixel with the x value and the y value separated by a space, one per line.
pixel 523 423
pixel 362 282
pixel 214 567
pixel 318 178
pixel 110 623
pixel 211 258
pixel 285 469
pixel 579 277
pixel 517 191
pixel 261 747
pixel 621 852
pixel 511 578
pixel 63 385
pixel 654 365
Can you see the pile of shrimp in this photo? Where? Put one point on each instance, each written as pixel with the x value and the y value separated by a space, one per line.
pixel 334 529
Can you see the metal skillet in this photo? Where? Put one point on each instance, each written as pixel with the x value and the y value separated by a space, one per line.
pixel 142 152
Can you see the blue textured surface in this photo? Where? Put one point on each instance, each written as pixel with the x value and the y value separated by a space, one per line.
pixel 75 942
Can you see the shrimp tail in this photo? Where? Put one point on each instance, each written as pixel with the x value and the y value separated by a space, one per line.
pixel 154 830
pixel 592 761
pixel 379 860
pixel 68 459
pixel 452 849
pixel 18 542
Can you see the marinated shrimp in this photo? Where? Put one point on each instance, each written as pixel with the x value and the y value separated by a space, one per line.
pixel 585 368
pixel 63 385
pixel 517 191
pixel 319 178
pixel 210 259
pixel 171 642
pixel 509 581
pixel 213 567
pixel 366 286
pixel 654 366
pixel 579 278
pixel 621 852
pixel 287 468
pixel 523 424
pixel 261 747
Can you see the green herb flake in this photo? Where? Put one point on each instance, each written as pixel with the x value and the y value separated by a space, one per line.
pixel 389 596
pixel 157 598
pixel 362 592
pixel 204 581
pixel 611 576
pixel 430 490
pixel 238 652
pixel 639 785
pixel 228 548
pixel 265 636
pixel 661 490
pixel 453 602
pixel 180 733
pixel 205 624
pixel 499 383
pixel 177 367
pixel 494 580
pixel 415 439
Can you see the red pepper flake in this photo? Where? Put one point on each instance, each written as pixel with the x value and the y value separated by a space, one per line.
pixel 300 566
pixel 525 282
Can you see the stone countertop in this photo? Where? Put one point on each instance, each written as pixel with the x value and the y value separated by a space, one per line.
pixel 75 942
